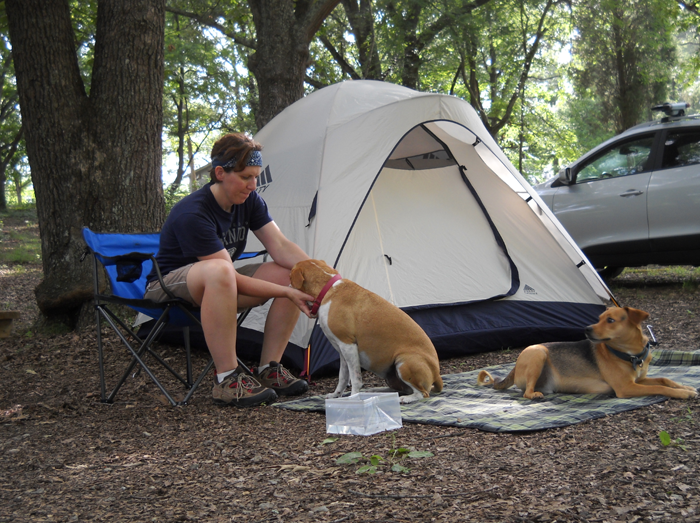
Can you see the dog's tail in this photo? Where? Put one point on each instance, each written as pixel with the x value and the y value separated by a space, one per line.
pixel 484 379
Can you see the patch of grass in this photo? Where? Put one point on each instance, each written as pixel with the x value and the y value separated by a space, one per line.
pixel 19 234
pixel 659 271
pixel 687 418
pixel 691 286
pixel 688 277
pixel 692 281
pixel 20 255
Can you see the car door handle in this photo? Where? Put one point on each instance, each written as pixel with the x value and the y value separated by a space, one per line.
pixel 631 192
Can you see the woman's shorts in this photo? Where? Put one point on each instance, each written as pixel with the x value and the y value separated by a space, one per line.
pixel 176 282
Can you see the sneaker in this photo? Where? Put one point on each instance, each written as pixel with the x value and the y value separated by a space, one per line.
pixel 241 390
pixel 281 380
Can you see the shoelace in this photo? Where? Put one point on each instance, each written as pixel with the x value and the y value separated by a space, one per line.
pixel 282 373
pixel 244 382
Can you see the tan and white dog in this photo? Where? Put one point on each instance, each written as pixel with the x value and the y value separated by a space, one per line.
pixel 369 332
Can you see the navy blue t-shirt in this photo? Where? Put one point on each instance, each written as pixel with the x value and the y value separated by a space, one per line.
pixel 198 226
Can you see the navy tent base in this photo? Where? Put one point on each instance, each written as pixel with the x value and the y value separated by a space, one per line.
pixel 455 331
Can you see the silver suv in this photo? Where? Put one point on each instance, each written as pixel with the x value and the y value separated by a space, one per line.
pixel 635 199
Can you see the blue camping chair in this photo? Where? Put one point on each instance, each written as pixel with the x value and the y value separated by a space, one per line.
pixel 127 260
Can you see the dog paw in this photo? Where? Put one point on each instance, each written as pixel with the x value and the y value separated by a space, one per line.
pixel 410 398
pixel 332 395
pixel 534 396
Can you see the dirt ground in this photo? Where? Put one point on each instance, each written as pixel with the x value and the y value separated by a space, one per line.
pixel 65 456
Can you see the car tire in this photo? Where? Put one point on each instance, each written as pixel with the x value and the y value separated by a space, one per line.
pixel 608 273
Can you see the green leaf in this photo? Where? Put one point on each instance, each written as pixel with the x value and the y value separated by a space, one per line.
pixel 402 450
pixel 400 468
pixel 420 454
pixel 329 440
pixel 367 469
pixel 374 460
pixel 665 438
pixel 349 458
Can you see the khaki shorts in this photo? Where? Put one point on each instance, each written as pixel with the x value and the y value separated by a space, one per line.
pixel 176 283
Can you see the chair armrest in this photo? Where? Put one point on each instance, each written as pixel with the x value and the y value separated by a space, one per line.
pixel 160 278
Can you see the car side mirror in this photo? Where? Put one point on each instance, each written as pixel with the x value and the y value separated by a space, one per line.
pixel 565 176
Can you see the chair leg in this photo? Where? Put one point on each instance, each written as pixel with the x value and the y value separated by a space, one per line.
pixel 241 318
pixel 100 358
pixel 146 348
pixel 136 358
pixel 186 334
pixel 195 386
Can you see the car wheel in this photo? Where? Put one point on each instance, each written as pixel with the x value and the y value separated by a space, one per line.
pixel 608 273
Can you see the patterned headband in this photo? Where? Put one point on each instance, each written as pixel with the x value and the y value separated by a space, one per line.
pixel 254 159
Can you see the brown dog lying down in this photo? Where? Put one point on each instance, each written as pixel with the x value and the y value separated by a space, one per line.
pixel 369 332
pixel 614 358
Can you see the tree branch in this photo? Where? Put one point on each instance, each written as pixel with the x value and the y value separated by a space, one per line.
pixel 429 34
pixel 312 22
pixel 344 65
pixel 529 57
pixel 313 82
pixel 210 21
pixel 12 149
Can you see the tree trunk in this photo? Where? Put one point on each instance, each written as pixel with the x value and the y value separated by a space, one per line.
pixel 95 160
pixel 361 18
pixel 412 48
pixel 280 60
pixel 284 31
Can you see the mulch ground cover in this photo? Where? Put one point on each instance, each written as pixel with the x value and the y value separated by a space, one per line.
pixel 65 456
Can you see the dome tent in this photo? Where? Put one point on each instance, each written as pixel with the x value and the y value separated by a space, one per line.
pixel 408 195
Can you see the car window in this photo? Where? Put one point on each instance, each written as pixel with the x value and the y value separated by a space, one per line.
pixel 620 160
pixel 681 148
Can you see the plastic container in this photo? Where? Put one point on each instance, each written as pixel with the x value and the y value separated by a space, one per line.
pixel 363 414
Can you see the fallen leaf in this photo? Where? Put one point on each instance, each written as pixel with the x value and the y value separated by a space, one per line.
pixel 294 468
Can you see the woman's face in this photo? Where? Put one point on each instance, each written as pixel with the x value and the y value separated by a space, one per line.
pixel 236 186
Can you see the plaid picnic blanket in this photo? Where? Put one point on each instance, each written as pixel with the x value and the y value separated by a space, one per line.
pixel 462 404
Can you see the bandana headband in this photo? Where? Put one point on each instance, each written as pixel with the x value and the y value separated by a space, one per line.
pixel 254 159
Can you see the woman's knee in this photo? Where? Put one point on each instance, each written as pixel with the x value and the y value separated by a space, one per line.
pixel 222 272
pixel 216 272
pixel 273 273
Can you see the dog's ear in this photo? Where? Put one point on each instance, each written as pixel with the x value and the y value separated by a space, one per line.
pixel 296 278
pixel 636 316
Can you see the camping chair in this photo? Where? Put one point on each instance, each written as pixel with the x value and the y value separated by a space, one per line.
pixel 127 260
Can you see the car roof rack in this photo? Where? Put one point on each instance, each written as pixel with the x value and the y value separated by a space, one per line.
pixel 667 119
pixel 674 111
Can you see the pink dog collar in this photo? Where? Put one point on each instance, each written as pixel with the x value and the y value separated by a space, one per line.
pixel 322 294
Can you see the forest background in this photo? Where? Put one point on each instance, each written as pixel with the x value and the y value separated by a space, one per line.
pixel 88 84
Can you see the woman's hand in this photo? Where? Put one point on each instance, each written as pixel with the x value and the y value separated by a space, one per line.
pixel 301 300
